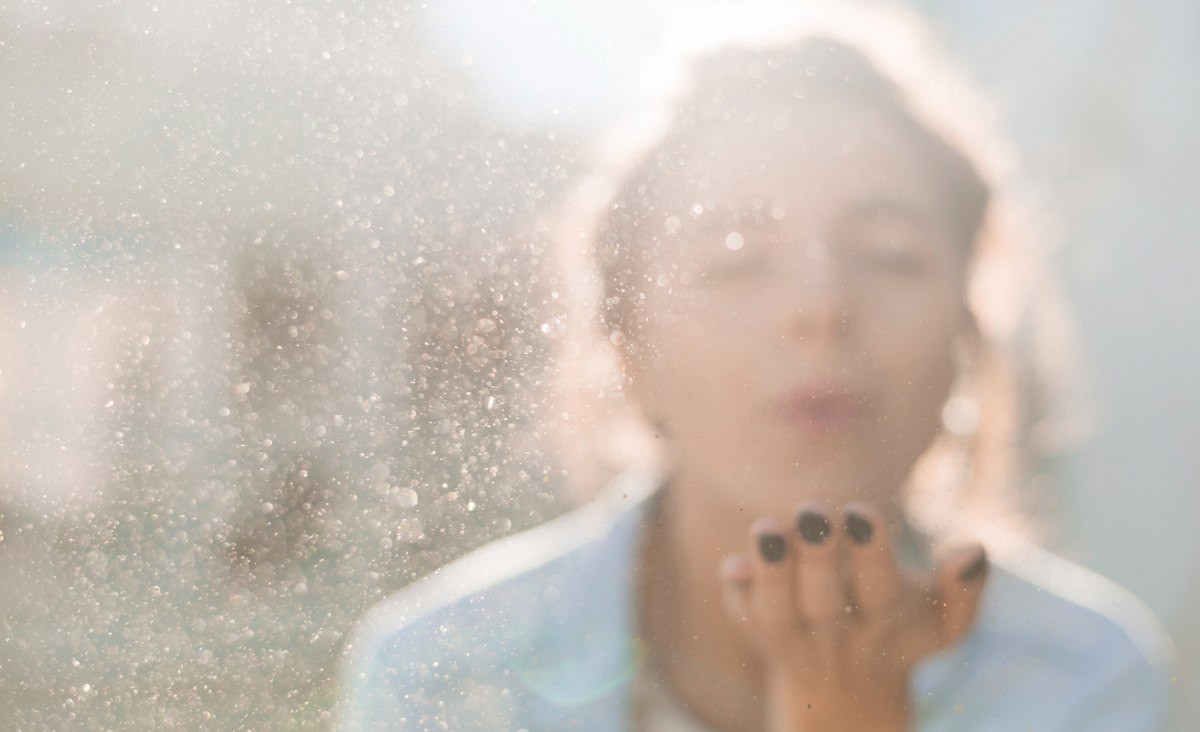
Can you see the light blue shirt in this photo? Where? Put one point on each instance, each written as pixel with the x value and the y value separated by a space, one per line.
pixel 537 632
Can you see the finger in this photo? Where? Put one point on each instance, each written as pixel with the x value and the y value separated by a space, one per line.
pixel 771 583
pixel 820 592
pixel 736 575
pixel 875 577
pixel 960 582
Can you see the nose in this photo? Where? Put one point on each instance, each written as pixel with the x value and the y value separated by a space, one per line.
pixel 816 300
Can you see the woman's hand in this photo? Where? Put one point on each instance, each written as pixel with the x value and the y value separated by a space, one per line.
pixel 837 622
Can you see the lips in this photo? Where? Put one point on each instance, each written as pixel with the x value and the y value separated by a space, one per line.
pixel 822 408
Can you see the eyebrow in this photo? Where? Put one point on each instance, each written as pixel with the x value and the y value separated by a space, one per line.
pixel 880 207
pixel 874 208
pixel 720 220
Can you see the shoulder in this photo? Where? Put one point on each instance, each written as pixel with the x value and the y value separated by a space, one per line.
pixel 1080 613
pixel 497 620
pixel 1058 647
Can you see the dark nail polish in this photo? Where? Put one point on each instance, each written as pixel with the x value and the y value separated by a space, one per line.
pixel 975 569
pixel 859 528
pixel 813 527
pixel 772 547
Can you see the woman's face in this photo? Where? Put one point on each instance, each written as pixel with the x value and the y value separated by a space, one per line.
pixel 799 340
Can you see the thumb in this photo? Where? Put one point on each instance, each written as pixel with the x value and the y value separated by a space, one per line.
pixel 736 574
pixel 960 581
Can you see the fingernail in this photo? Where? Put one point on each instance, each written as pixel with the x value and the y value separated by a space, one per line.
pixel 859 528
pixel 772 547
pixel 975 569
pixel 813 527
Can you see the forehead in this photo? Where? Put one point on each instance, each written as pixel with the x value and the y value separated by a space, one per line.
pixel 812 161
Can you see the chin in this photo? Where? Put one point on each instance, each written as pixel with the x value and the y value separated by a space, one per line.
pixel 779 492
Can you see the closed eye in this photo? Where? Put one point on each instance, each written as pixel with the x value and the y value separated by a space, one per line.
pixel 735 267
pixel 896 260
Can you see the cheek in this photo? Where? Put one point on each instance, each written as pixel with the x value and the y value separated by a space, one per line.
pixel 695 368
pixel 700 379
pixel 915 360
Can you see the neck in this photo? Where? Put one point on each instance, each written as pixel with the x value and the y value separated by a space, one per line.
pixel 694 646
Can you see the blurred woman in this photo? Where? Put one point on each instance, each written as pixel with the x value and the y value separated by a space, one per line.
pixel 786 270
